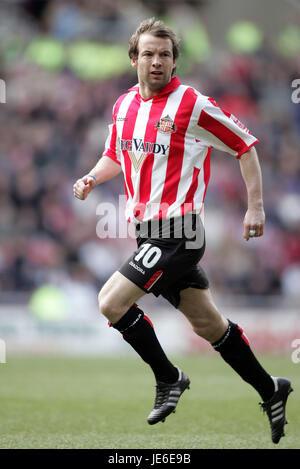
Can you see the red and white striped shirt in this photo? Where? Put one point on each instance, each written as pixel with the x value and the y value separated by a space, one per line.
pixel 163 145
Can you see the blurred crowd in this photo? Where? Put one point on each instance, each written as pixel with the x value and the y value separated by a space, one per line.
pixel 52 131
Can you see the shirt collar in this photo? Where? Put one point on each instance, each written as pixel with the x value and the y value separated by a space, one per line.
pixel 171 86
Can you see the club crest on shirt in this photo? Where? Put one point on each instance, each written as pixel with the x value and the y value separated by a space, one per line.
pixel 165 125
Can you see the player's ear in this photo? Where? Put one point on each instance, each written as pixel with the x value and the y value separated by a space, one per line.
pixel 133 61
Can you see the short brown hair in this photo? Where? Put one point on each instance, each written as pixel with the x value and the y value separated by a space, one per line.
pixel 158 29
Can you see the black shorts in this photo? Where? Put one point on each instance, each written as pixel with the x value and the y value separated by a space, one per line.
pixel 166 259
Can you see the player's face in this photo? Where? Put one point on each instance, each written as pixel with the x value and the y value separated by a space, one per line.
pixel 154 63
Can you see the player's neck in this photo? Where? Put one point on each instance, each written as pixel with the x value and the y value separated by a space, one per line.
pixel 147 92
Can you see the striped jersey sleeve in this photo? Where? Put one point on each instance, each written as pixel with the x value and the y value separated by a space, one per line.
pixel 112 149
pixel 220 129
pixel 111 144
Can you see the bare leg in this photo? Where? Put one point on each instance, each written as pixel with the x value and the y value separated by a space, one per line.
pixel 199 308
pixel 117 296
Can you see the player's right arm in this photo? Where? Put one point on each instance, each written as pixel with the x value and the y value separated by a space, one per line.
pixel 105 169
pixel 108 166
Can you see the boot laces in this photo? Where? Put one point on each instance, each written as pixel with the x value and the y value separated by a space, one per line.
pixel 162 392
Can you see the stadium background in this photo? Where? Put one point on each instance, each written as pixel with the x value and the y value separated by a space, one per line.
pixel 64 63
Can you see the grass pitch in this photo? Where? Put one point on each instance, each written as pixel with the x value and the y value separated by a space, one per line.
pixel 104 403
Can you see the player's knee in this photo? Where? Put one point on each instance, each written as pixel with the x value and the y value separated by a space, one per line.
pixel 203 329
pixel 105 305
pixel 209 329
pixel 110 308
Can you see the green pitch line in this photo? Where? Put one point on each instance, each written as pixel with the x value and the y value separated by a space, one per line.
pixel 104 403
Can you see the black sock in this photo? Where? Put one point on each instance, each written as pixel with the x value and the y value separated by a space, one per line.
pixel 138 331
pixel 235 350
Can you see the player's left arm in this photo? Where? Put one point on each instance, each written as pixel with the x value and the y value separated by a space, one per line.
pixel 251 172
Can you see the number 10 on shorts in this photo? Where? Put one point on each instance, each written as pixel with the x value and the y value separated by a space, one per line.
pixel 149 254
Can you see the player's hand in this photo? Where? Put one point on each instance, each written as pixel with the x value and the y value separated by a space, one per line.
pixel 254 223
pixel 83 187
